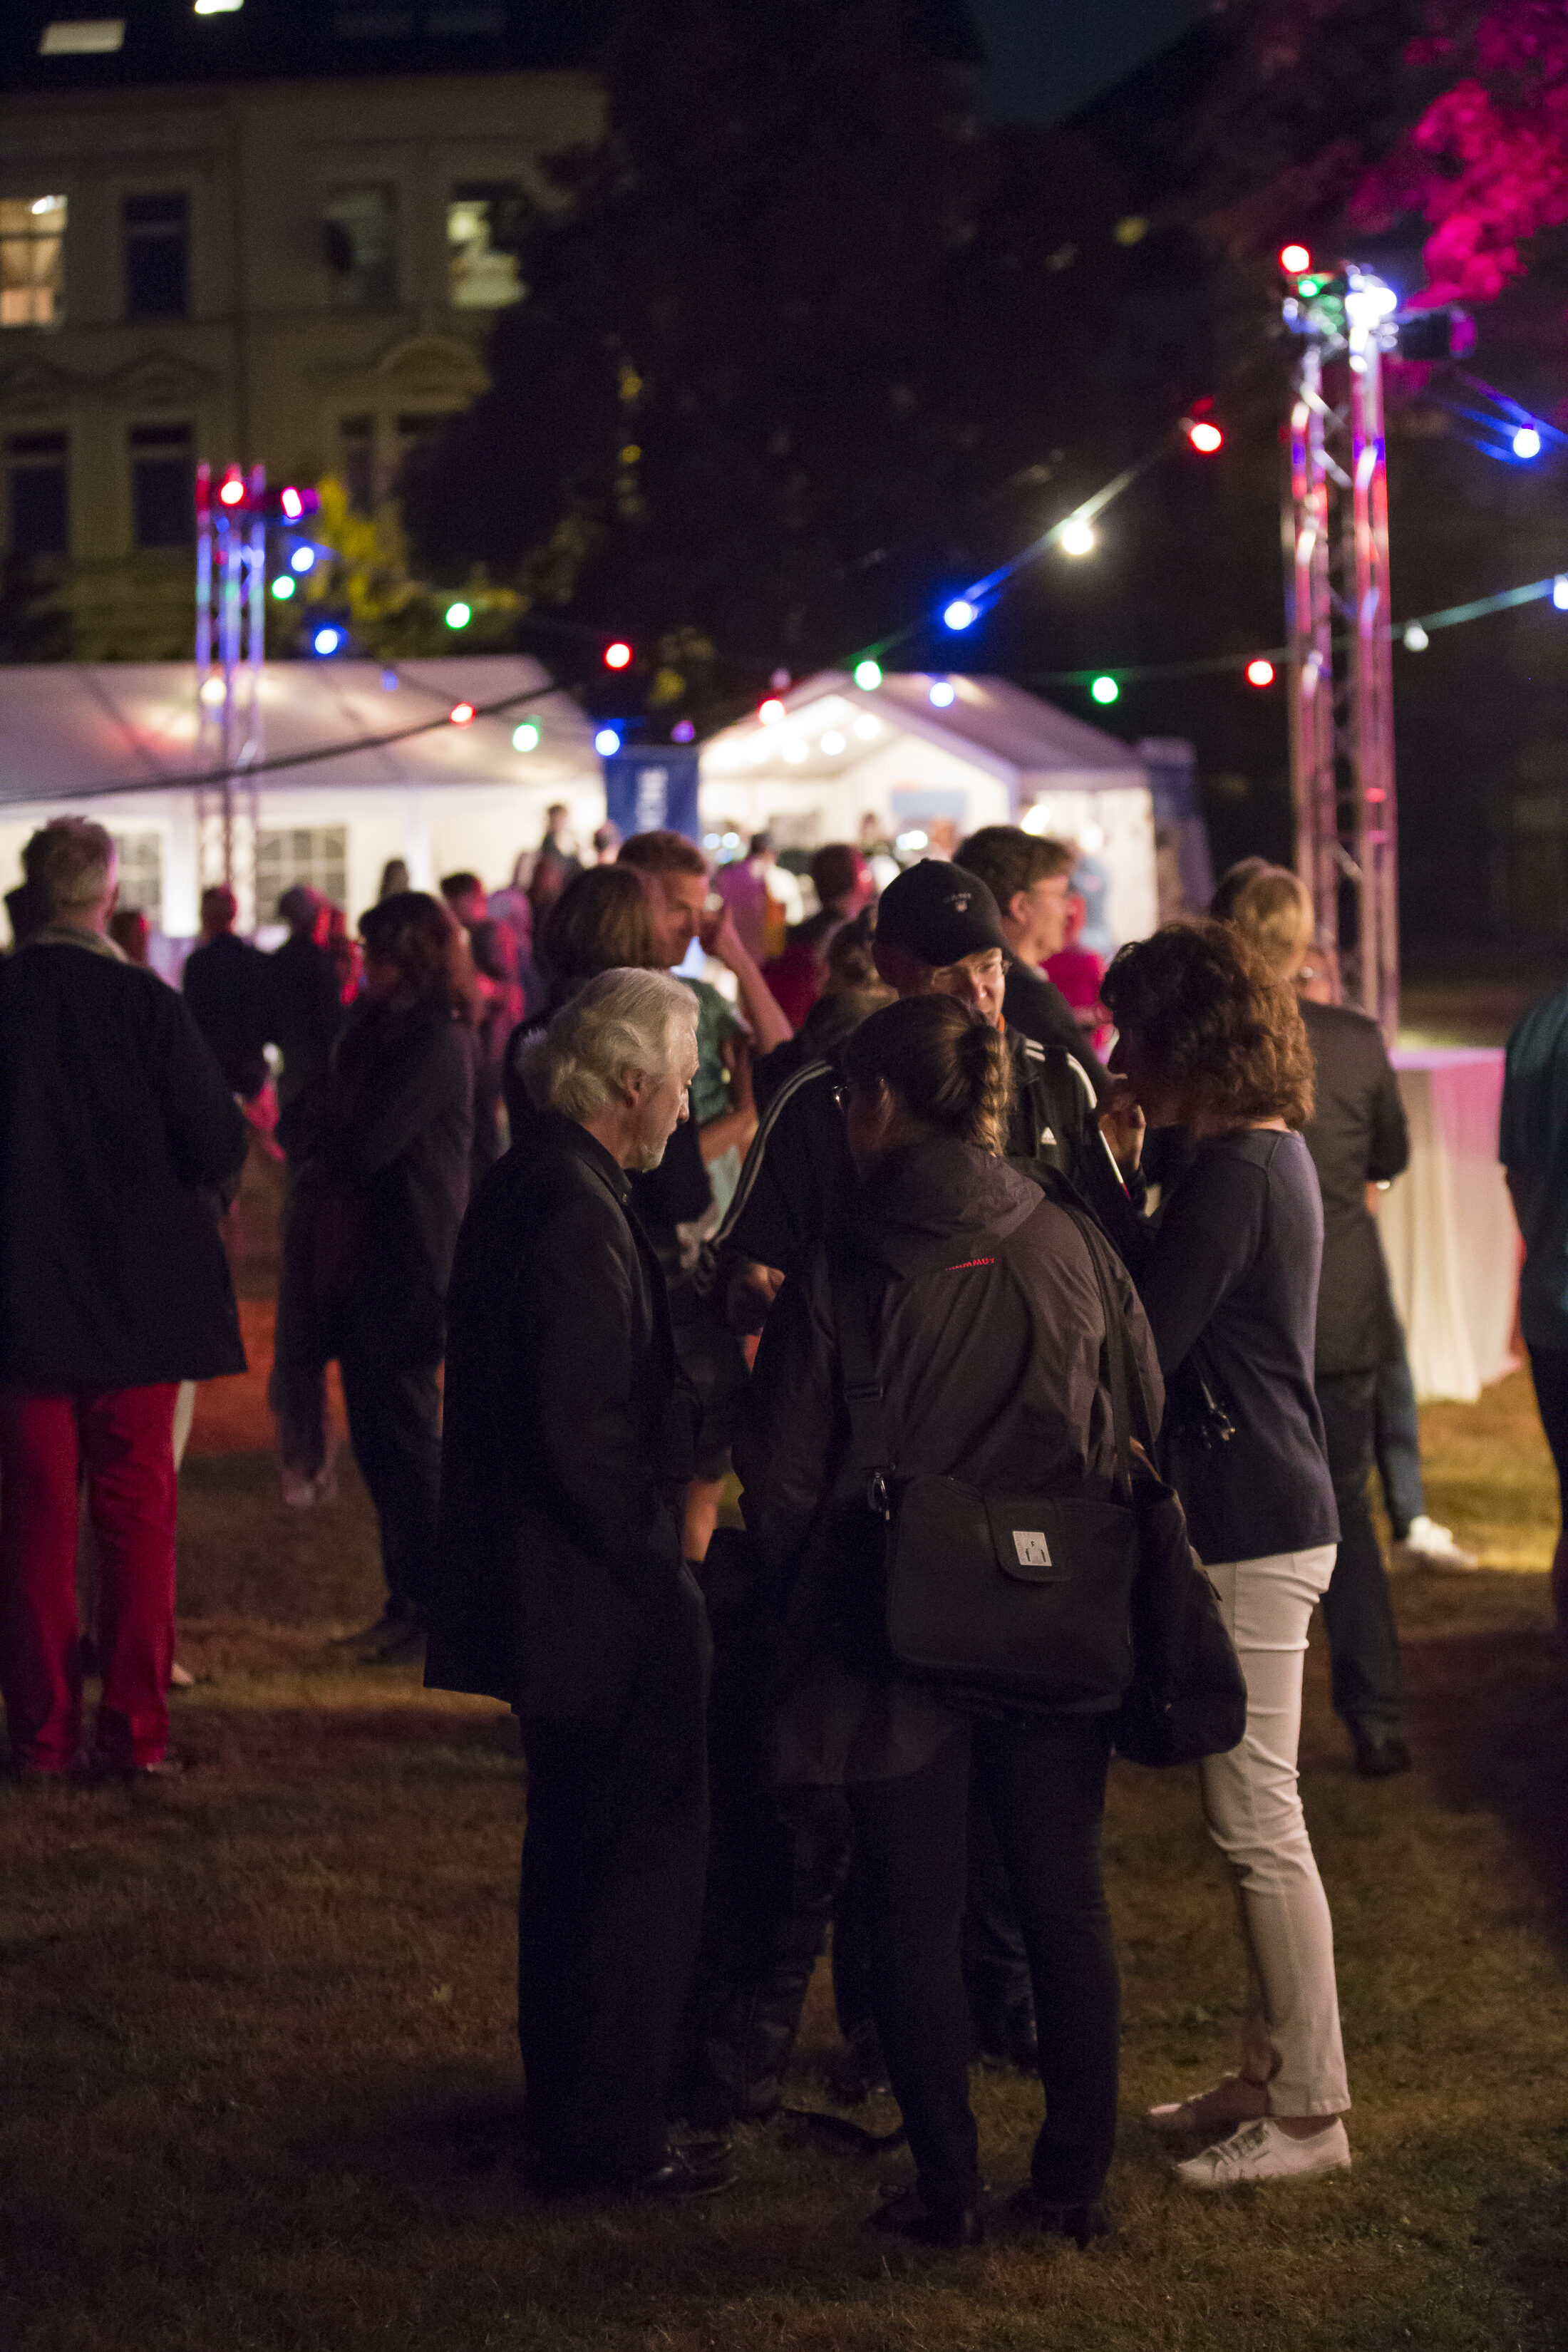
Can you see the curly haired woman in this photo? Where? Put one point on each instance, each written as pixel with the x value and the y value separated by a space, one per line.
pixel 1211 1043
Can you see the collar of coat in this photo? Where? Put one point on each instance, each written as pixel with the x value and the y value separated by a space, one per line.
pixel 577 1137
pixel 74 935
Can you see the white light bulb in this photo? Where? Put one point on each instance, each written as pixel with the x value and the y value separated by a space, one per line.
pixel 1560 592
pixel 794 750
pixel 1415 638
pixel 867 727
pixel 1077 537
pixel 832 742
pixel 941 694
pixel 1526 442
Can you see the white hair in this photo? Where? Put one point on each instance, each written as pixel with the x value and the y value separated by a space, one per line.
pixel 622 1021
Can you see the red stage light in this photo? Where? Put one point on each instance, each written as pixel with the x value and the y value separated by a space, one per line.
pixel 1294 259
pixel 618 655
pixel 1261 672
pixel 231 489
pixel 462 714
pixel 292 504
pixel 1206 437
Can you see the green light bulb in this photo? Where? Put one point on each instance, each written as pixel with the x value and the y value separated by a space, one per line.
pixel 1105 689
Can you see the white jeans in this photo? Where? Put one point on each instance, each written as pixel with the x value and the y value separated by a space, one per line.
pixel 1253 1807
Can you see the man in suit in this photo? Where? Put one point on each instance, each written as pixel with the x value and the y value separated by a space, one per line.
pixel 560 1587
pixel 226 984
pixel 1357 1136
pixel 117 1131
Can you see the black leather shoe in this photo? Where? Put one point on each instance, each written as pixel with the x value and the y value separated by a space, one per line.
pixel 1380 1755
pixel 907 2215
pixel 1031 2213
pixel 701 2171
pixel 1012 2042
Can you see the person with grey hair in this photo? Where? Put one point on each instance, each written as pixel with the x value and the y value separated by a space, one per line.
pixel 116 1129
pixel 560 1585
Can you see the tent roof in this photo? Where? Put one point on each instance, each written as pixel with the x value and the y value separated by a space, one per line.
pixel 71 731
pixel 990 720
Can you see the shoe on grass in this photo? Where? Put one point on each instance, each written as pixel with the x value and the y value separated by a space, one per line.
pixel 1211 2114
pixel 1380 1755
pixel 1427 1545
pixel 1261 2151
pixel 906 2214
pixel 1032 2215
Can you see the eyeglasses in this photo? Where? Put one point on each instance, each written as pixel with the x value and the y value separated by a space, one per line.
pixel 841 1094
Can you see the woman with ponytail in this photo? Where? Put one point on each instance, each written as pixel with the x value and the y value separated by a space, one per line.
pixel 988 1331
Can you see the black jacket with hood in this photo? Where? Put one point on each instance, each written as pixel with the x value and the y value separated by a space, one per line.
pixel 990 1337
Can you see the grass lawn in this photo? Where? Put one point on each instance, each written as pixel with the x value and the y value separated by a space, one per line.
pixel 257 2024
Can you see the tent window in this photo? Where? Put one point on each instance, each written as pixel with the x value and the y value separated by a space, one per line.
pixel 32 260
pixel 317 854
pixel 142 874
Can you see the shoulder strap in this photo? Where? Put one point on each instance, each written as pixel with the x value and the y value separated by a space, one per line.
pixel 862 1389
pixel 1124 1380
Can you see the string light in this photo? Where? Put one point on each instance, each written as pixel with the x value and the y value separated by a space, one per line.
pixel 231 490
pixel 328 640
pixel 1294 259
pixel 303 559
pixel 1261 672
pixel 941 694
pixel 1205 438
pixel 960 615
pixel 866 728
pixel 1077 537
pixel 1527 443
pixel 868 676
pixel 526 737
pixel 683 731
pixel 292 504
pixel 283 586
pixel 832 742
pixel 607 743
pixel 461 714
pixel 458 615
pixel 1559 593
pixel 772 712
pixel 618 655
pixel 1415 638
pixel 1105 689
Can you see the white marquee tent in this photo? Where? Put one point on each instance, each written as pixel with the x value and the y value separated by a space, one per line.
pixel 929 758
pixel 116 742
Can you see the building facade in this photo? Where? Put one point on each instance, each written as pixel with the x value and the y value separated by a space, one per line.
pixel 282 243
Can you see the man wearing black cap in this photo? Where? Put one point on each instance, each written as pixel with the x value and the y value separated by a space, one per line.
pixel 938 928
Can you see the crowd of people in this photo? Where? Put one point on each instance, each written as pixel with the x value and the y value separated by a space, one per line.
pixel 872 1225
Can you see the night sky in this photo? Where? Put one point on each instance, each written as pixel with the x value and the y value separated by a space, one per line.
pixel 1048 58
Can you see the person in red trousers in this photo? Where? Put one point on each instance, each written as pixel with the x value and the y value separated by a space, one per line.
pixel 117 1134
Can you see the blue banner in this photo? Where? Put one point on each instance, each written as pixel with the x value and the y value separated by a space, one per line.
pixel 652 789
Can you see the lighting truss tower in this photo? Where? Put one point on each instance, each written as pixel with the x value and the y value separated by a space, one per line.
pixel 231 595
pixel 1339 620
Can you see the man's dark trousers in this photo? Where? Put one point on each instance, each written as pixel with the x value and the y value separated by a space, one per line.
pixel 1362 1643
pixel 613 1864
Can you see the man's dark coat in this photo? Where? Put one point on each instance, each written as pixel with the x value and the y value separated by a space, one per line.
pixel 1357 1136
pixel 567 1438
pixel 115 1124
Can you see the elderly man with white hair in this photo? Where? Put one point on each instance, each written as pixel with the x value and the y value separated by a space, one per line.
pixel 560 1587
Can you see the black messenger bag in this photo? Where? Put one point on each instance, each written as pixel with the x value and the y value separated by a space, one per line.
pixel 1026 1604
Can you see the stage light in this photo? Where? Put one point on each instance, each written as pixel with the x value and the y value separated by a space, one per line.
pixel 1560 592
pixel 866 728
pixel 868 676
pixel 283 586
pixel 303 559
pixel 1527 443
pixel 1415 638
pixel 607 743
pixel 1077 537
pixel 832 744
pixel 328 640
pixel 618 655
pixel 1293 259
pixel 1205 438
pixel 1261 672
pixel 526 737
pixel 772 712
pixel 292 504
pixel 941 694
pixel 212 693
pixel 1105 689
pixel 461 714
pixel 960 614
pixel 231 490
pixel 458 615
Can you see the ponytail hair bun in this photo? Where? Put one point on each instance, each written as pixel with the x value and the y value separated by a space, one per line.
pixel 951 1072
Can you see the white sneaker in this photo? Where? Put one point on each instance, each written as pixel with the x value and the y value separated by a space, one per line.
pixel 1429 1546
pixel 1215 2113
pixel 1261 2151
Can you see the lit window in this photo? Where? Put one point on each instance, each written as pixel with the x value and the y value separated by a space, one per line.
pixel 156 253
pixel 319 856
pixel 39 515
pixel 83 36
pixel 486 223
pixel 32 260
pixel 359 239
pixel 142 874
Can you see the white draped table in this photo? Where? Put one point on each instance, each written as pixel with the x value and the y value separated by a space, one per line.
pixel 1447 1224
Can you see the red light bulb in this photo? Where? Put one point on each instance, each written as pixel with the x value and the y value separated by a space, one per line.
pixel 1261 672
pixel 1207 439
pixel 618 655
pixel 1294 259
pixel 231 489
pixel 461 714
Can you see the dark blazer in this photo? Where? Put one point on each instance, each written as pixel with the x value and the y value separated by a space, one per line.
pixel 115 1124
pixel 567 1438
pixel 304 1013
pixel 1357 1136
pixel 226 984
pixel 380 1191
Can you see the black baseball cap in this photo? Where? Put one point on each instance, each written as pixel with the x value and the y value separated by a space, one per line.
pixel 941 913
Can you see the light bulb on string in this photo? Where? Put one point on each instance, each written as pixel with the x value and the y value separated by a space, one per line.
pixel 1077 537
pixel 327 641
pixel 1415 638
pixel 457 614
pixel 1560 592
pixel 461 714
pixel 303 559
pixel 960 615
pixel 1205 438
pixel 283 586
pixel 526 737
pixel 607 743
pixel 1294 259
pixel 1527 443
pixel 1261 672
pixel 1105 689
pixel 618 655
pixel 941 694
pixel 868 676
pixel 772 712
